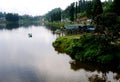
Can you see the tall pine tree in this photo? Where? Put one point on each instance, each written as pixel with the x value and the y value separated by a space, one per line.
pixel 97 8
pixel 72 11
pixel 89 11
pixel 116 7
pixel 76 10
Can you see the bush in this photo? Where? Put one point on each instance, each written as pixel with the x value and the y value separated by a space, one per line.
pixel 105 59
pixel 63 45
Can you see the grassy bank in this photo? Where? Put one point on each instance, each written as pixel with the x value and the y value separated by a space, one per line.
pixel 89 48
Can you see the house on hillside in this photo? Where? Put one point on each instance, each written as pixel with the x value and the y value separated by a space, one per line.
pixel 65 20
pixel 78 28
pixel 89 22
pixel 2 19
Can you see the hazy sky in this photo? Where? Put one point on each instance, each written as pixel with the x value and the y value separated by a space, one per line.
pixel 32 7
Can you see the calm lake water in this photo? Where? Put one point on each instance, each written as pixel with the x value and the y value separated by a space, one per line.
pixel 34 59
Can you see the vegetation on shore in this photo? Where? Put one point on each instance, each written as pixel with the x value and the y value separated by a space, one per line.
pixel 89 48
pixel 55 24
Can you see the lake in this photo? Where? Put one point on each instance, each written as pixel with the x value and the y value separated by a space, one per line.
pixel 34 59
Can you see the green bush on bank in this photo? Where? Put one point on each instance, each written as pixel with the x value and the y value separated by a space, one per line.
pixel 89 48
pixel 63 44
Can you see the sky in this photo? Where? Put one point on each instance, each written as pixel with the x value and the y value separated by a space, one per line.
pixel 32 7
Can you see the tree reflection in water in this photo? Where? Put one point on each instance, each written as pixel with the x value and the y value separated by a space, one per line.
pixel 102 71
pixel 97 78
pixel 11 26
pixel 117 77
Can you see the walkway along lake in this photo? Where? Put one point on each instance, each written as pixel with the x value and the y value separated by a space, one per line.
pixel 33 59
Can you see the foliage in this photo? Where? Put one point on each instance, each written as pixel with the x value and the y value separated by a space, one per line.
pixel 54 15
pixel 55 24
pixel 2 14
pixel 108 7
pixel 118 19
pixel 2 17
pixel 116 8
pixel 27 19
pixel 89 11
pixel 89 48
pixel 112 7
pixel 108 25
pixel 71 12
pixel 83 5
pixel 89 8
pixel 12 17
pixel 63 44
pixel 97 8
pixel 76 10
pixel 83 14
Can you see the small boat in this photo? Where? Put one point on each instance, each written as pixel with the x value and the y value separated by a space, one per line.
pixel 30 35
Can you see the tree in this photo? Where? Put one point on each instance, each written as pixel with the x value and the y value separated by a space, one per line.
pixel 108 7
pixel 89 10
pixel 79 6
pixel 97 9
pixel 116 8
pixel 71 12
pixel 82 5
pixel 107 25
pixel 54 15
pixel 2 14
pixel 76 10
pixel 12 17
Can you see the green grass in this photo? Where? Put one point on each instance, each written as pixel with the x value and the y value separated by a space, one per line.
pixel 73 36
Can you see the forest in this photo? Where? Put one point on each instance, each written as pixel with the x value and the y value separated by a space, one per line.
pixel 82 8
pixel 15 18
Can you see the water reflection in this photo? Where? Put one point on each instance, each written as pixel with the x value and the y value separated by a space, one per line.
pixel 76 65
pixel 117 77
pixel 2 26
pixel 102 75
pixel 97 78
pixel 11 26
pixel 24 59
pixel 30 24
